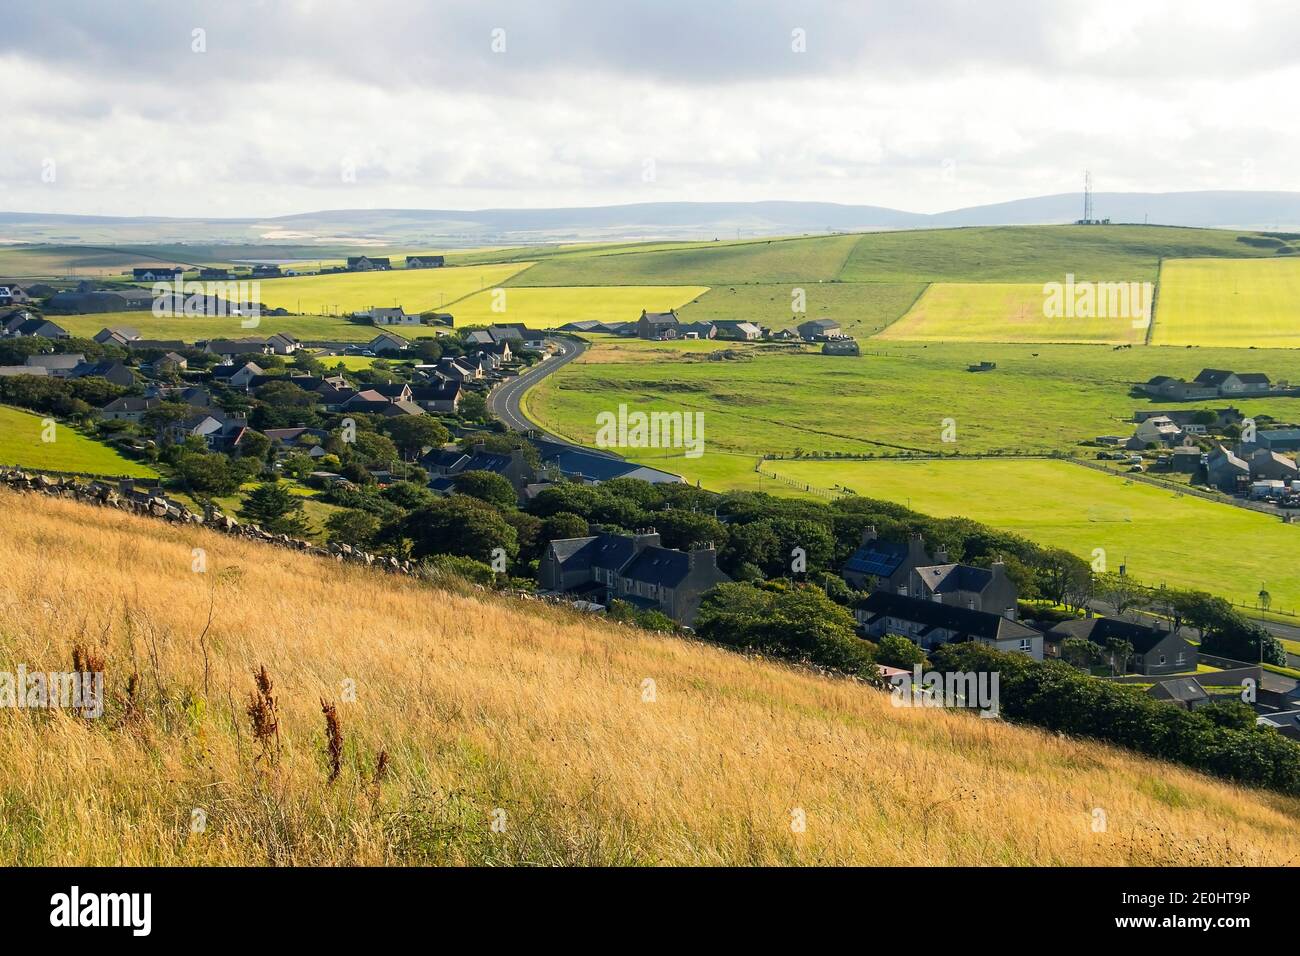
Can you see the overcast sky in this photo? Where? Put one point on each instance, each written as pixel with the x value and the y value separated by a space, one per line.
pixel 191 107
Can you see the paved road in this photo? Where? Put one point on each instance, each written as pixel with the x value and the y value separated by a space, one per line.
pixel 503 402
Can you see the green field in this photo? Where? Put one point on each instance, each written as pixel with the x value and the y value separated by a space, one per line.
pixel 197 328
pixel 1220 302
pixel 1001 312
pixel 861 308
pixel 21 443
pixel 1039 399
pixel 1159 535
pixel 415 290
pixel 550 307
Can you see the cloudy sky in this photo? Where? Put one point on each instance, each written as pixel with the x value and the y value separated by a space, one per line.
pixel 238 108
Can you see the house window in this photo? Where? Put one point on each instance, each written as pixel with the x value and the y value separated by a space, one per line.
pixel 1026 645
pixel 1181 659
pixel 1162 658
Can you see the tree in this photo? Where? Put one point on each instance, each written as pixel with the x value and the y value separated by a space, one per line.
pixel 460 525
pixel 413 433
pixel 1056 573
pixel 564 524
pixel 1080 651
pixel 350 526
pixel 1120 652
pixel 1121 592
pixel 273 506
pixel 210 474
pixel 487 486
pixel 894 650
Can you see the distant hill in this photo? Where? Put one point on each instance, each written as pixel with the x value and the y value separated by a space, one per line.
pixel 669 220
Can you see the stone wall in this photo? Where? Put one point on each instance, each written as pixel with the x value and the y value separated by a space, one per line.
pixel 106 495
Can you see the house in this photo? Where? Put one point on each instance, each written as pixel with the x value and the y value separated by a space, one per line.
pixel 634 568
pixel 932 623
pixel 387 342
pixel 60 366
pixel 1156 430
pixel 114 372
pixel 13 294
pixel 1185 692
pixel 128 409
pixel 228 348
pixel 738 330
pixel 784 335
pixel 367 264
pixel 884 565
pixel 1285 722
pixel 394 316
pixel 157 273
pixel 121 336
pixel 240 376
pixel 593 467
pixel 440 396
pixel 168 363
pixel 1175 389
pixel 816 330
pixel 43 328
pixel 1233 383
pixel 698 330
pixel 841 347
pixel 1156 651
pixel 657 326
pixel 281 343
pixel 1226 471
pixel 1265 464
pixel 1186 460
pixel 393 391
pixel 425 262
pixel 1279 439
pixel 266 271
pixel 213 273
pixel 962 585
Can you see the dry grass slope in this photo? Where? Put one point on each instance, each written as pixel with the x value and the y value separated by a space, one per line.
pixel 482 704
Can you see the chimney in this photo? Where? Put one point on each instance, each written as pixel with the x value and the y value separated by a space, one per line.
pixel 941 556
pixel 869 534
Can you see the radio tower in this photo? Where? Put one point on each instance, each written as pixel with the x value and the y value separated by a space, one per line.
pixel 1087 197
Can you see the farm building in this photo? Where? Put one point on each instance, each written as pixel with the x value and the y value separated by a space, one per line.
pixel 425 262
pixel 841 347
pixel 816 330
pixel 657 326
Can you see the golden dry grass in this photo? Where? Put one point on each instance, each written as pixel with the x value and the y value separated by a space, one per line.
pixel 483 704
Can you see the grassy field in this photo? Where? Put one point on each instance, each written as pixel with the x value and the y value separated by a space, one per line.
pixel 1214 302
pixel 861 308
pixel 1034 253
pixel 198 328
pixel 415 290
pixel 710 771
pixel 711 264
pixel 1040 398
pixel 1156 533
pixel 21 444
pixel 1001 312
pixel 550 307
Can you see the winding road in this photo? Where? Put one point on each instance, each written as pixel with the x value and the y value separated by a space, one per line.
pixel 503 401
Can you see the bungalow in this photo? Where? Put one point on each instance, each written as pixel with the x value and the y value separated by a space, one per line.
pixel 884 565
pixel 657 326
pixel 633 568
pixel 281 343
pixel 593 467
pixel 266 271
pixel 234 376
pixel 425 262
pixel 42 328
pixel 393 316
pixel 120 336
pixel 368 264
pixel 1164 386
pixel 60 366
pixel 228 348
pixel 114 372
pixel 387 342
pixel 13 294
pixel 932 623
pixel 1155 651
pixel 128 408
pixel 738 330
pixel 1233 383
pixel 817 330
pixel 157 273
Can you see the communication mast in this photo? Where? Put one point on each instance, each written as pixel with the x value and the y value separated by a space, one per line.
pixel 1087 195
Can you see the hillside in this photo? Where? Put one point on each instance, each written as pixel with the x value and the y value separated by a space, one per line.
pixel 481 705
